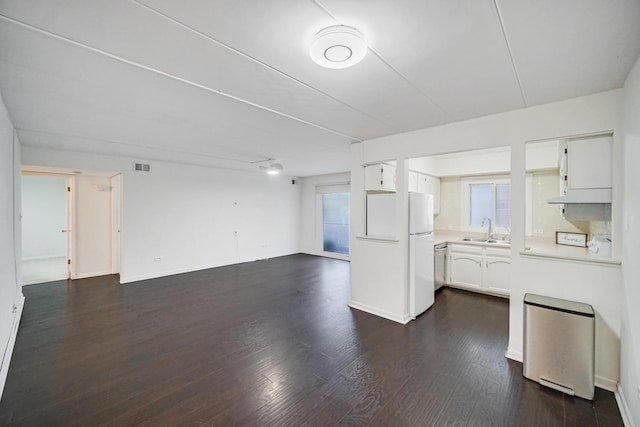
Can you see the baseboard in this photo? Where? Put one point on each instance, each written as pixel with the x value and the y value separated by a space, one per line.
pixel 6 358
pixel 130 279
pixel 94 274
pixel 514 355
pixel 625 412
pixel 381 313
pixel 606 383
pixel 140 277
pixel 43 257
pixel 327 255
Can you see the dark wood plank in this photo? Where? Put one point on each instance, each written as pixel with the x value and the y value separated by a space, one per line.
pixel 269 343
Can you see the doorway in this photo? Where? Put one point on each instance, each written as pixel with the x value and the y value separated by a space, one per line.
pixel 46 220
pixel 71 224
pixel 332 219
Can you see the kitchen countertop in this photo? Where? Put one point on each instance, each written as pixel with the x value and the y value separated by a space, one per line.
pixel 538 247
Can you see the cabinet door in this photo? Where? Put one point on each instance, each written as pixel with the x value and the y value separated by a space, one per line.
pixel 496 274
pixel 422 184
pixel 413 181
pixel 380 178
pixel 388 178
pixel 435 188
pixel 465 270
pixel 590 162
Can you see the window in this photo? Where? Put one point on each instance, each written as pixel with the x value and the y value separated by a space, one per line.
pixel 486 197
pixel 335 223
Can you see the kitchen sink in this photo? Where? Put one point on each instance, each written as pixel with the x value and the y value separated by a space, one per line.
pixel 489 241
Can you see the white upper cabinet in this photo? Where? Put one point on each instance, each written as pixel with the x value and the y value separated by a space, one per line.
pixel 413 181
pixel 589 162
pixel 380 178
pixel 428 184
pixel 434 186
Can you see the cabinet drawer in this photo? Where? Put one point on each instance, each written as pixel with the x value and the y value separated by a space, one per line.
pixel 465 249
pixel 498 252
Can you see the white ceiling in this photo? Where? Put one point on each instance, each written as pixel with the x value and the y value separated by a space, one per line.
pixel 230 82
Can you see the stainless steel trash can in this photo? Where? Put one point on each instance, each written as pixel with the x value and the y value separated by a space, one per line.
pixel 559 344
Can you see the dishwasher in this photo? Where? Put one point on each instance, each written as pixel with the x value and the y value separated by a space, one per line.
pixel 440 264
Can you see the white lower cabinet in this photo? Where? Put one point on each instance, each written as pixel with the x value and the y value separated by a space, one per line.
pixel 496 275
pixel 479 268
pixel 465 267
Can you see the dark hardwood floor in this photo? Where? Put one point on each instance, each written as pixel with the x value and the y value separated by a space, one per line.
pixel 269 343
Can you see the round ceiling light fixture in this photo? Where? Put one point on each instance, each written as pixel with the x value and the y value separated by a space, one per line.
pixel 338 46
pixel 273 168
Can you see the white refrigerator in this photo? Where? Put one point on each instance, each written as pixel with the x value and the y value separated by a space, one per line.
pixel 421 254
pixel 381 222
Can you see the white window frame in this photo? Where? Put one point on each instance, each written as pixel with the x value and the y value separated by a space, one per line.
pixel 465 202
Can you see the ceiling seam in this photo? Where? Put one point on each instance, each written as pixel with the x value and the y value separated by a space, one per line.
pixel 257 61
pixel 172 76
pixel 406 79
pixel 146 147
pixel 506 40
pixel 387 63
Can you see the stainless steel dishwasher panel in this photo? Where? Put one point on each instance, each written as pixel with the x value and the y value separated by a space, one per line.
pixel 559 344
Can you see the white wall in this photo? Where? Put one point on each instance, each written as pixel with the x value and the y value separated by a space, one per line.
pixel 630 321
pixel 44 216
pixel 11 299
pixel 547 218
pixel 450 206
pixel 92 199
pixel 379 279
pixel 180 218
pixel 492 161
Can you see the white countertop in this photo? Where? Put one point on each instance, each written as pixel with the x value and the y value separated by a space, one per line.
pixel 538 247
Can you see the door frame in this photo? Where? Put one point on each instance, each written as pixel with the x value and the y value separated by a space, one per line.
pixel 116 223
pixel 70 184
pixel 116 244
pixel 340 187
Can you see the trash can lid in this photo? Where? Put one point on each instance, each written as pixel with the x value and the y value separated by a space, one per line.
pixel 557 304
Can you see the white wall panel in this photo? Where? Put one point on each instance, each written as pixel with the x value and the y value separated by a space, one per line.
pixel 44 216
pixel 11 299
pixel 630 330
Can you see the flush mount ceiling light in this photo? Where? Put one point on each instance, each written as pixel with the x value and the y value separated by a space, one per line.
pixel 272 169
pixel 338 46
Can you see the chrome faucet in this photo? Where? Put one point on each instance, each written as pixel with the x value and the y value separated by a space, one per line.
pixel 490 231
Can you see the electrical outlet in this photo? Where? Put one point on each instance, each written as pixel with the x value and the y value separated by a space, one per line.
pixel 157 258
pixel 538 231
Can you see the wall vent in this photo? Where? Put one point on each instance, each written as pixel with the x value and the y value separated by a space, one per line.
pixel 142 167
